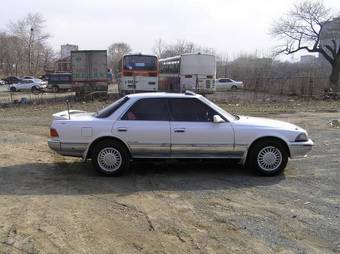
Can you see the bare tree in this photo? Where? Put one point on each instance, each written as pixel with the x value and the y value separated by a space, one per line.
pixel 159 48
pixel 31 38
pixel 302 29
pixel 115 52
pixel 163 50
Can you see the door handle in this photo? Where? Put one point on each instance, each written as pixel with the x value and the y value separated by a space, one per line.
pixel 122 129
pixel 179 130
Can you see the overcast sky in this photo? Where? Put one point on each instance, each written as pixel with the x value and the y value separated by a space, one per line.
pixel 229 26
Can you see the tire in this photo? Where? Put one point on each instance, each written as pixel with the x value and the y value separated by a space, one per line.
pixel 13 89
pixel 267 158
pixel 35 90
pixel 110 158
pixel 55 89
pixel 234 88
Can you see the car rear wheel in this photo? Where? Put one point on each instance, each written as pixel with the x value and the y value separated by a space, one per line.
pixel 110 158
pixel 13 89
pixel 35 90
pixel 55 89
pixel 268 157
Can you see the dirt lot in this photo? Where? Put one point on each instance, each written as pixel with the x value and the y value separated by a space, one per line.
pixel 52 204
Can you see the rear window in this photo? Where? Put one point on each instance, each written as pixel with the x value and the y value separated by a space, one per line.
pixel 109 110
pixel 151 109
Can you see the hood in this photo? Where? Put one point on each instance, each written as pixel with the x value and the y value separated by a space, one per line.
pixel 266 122
pixel 73 114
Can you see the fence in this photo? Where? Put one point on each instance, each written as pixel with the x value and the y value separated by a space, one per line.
pixel 298 86
pixel 7 97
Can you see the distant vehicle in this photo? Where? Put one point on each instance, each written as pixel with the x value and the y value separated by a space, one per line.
pixel 224 84
pixel 37 81
pixel 89 71
pixel 138 73
pixel 194 71
pixel 32 85
pixel 170 125
pixel 12 79
pixel 28 77
pixel 59 81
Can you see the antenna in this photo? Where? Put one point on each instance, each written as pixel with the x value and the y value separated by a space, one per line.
pixel 68 110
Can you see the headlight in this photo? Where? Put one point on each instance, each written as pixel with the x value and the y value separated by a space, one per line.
pixel 301 137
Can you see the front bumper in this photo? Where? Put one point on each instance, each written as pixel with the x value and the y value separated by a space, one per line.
pixel 300 149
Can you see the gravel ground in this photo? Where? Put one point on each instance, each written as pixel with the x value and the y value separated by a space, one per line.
pixel 53 204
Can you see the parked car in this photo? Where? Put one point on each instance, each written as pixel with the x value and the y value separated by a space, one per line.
pixel 32 85
pixel 12 79
pixel 28 77
pixel 168 125
pixel 59 81
pixel 2 82
pixel 223 84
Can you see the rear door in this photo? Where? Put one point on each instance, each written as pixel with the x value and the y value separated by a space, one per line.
pixel 194 134
pixel 145 127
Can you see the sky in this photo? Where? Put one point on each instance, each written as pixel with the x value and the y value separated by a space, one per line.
pixel 231 27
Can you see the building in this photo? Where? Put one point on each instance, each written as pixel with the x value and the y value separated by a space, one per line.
pixel 66 49
pixel 63 65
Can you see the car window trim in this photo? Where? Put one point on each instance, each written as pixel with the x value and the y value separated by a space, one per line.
pixel 112 111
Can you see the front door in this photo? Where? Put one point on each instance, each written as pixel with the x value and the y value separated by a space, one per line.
pixel 194 134
pixel 145 127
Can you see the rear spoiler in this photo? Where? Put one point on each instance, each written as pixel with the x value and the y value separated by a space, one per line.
pixel 66 115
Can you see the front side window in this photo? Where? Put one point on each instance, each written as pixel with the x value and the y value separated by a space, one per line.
pixel 190 110
pixel 153 109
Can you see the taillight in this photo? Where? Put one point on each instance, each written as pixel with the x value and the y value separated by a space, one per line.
pixel 152 74
pixel 127 73
pixel 53 133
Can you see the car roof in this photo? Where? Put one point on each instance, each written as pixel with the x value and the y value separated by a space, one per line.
pixel 163 95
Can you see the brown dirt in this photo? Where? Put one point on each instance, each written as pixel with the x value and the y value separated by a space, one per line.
pixel 54 204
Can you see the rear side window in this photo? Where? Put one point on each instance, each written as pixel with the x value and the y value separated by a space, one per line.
pixel 190 110
pixel 109 110
pixel 153 109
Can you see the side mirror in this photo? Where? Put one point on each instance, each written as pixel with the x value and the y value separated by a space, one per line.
pixel 218 119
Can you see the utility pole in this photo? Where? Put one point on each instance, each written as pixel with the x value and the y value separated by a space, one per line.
pixel 30 42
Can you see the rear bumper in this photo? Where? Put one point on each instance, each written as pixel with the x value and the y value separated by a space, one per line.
pixel 67 149
pixel 300 149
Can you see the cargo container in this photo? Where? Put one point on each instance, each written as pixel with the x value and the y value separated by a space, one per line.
pixel 89 71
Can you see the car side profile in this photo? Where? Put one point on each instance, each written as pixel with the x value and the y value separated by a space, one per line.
pixel 32 85
pixel 224 84
pixel 168 125
pixel 12 79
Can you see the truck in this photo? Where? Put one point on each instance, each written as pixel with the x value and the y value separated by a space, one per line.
pixel 89 71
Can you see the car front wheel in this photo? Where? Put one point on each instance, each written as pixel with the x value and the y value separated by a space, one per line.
pixel 234 88
pixel 267 158
pixel 110 158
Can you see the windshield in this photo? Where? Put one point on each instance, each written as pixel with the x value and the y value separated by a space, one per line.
pixel 109 110
pixel 140 62
pixel 219 109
